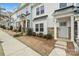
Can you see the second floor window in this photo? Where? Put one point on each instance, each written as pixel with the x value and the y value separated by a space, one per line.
pixel 27 11
pixel 63 5
pixel 37 11
pixel 77 4
pixel 42 9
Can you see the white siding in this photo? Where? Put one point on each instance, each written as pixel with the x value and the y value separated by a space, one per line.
pixel 69 4
pixel 49 8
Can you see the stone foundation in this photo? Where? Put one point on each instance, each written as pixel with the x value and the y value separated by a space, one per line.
pixel 51 31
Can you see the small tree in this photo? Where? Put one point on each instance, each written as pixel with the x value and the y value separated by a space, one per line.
pixel 29 31
pixel 49 36
pixel 34 34
pixel 40 35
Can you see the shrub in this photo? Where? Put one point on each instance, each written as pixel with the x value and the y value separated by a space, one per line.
pixel 48 36
pixel 34 34
pixel 11 27
pixel 17 35
pixel 15 30
pixel 40 35
pixel 29 31
pixel 3 27
pixel 44 36
pixel 19 30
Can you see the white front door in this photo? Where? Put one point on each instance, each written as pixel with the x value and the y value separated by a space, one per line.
pixel 63 32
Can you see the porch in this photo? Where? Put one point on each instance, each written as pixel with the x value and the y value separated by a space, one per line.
pixel 64 24
pixel 64 28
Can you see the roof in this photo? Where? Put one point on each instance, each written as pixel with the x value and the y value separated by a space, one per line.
pixel 40 17
pixel 64 8
pixel 21 7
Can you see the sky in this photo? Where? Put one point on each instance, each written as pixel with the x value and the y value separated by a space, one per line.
pixel 9 6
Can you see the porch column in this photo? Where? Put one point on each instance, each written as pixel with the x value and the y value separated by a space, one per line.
pixel 72 28
pixel 55 30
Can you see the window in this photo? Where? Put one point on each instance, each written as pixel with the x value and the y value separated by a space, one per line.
pixel 77 4
pixel 42 9
pixel 63 5
pixel 27 11
pixel 41 27
pixel 36 27
pixel 63 23
pixel 37 11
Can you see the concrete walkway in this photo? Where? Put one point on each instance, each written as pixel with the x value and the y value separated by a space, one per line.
pixel 1 50
pixel 13 47
pixel 59 49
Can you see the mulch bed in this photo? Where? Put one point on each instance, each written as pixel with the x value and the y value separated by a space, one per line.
pixel 40 45
pixel 70 49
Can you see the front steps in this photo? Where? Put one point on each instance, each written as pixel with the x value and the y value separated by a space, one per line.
pixel 59 49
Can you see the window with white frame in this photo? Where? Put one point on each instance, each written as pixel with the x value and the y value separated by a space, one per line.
pixel 42 9
pixel 63 23
pixel 36 27
pixel 27 11
pixel 63 5
pixel 77 4
pixel 41 27
pixel 37 11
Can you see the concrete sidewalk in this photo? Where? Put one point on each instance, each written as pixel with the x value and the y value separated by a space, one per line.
pixel 13 47
pixel 59 49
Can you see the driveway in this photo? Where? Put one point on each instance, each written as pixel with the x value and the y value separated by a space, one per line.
pixel 13 47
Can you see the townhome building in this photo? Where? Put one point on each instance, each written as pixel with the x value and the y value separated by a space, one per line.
pixel 22 17
pixel 66 26
pixel 42 19
pixel 64 21
pixel 5 18
pixel 59 19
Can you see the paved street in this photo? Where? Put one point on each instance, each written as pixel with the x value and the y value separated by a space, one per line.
pixel 13 47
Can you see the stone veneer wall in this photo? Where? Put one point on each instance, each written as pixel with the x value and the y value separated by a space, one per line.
pixel 51 31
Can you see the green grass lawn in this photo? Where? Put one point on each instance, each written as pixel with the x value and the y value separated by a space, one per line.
pixel 1 50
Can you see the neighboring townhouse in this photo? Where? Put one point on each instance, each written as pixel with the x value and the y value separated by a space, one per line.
pixel 5 18
pixel 42 19
pixel 22 17
pixel 9 21
pixel 28 14
pixel 64 22
pixel 66 26
pixel 14 23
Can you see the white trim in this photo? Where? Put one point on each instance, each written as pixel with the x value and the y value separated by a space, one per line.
pixel 72 28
